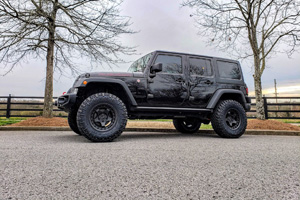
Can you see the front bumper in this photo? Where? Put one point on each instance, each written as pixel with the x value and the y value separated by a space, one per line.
pixel 65 102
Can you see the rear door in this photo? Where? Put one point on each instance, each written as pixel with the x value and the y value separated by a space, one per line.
pixel 202 82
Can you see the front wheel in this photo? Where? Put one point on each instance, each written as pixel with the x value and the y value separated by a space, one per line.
pixel 102 117
pixel 188 125
pixel 229 119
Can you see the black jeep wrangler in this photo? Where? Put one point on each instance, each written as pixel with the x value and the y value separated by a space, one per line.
pixel 190 89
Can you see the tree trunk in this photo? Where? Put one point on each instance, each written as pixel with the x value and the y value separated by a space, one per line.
pixel 260 112
pixel 48 99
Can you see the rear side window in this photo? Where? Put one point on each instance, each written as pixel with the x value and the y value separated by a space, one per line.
pixel 200 67
pixel 171 64
pixel 229 70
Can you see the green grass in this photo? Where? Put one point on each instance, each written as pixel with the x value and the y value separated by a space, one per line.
pixel 289 120
pixel 4 121
pixel 206 126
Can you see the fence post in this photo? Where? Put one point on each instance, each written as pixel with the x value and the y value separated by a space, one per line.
pixel 8 106
pixel 266 107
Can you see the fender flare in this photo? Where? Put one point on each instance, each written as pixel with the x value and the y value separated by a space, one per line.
pixel 80 84
pixel 218 94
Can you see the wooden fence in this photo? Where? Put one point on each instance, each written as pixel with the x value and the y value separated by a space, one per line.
pixel 278 108
pixel 24 106
pixel 29 106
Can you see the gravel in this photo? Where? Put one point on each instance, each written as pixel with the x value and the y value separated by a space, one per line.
pixel 62 165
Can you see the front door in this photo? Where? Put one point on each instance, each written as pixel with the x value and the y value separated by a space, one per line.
pixel 168 87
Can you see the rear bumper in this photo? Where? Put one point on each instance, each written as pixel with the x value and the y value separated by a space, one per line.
pixel 248 104
pixel 65 102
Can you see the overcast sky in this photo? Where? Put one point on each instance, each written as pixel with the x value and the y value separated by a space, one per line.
pixel 162 25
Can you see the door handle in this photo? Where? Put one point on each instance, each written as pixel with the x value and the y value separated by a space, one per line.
pixel 208 82
pixel 179 80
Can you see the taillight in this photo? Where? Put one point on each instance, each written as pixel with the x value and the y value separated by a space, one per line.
pixel 247 91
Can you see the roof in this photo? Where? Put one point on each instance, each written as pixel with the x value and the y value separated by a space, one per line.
pixel 189 54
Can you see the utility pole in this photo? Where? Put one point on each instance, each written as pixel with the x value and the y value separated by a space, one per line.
pixel 276 93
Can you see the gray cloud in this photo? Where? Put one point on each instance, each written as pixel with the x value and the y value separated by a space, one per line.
pixel 163 25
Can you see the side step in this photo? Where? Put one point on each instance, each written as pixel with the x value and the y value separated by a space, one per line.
pixel 171 109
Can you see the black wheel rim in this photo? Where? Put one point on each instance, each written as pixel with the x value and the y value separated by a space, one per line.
pixel 189 123
pixel 233 119
pixel 103 117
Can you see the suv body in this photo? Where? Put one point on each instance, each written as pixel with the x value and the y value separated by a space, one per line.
pixel 185 87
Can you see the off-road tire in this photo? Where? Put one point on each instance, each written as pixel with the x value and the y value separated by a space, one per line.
pixel 94 109
pixel 72 120
pixel 182 125
pixel 229 119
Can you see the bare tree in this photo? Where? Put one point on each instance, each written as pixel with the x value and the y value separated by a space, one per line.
pixel 250 28
pixel 63 31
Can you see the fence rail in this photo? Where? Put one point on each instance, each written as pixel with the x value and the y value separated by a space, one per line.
pixel 32 106
pixel 276 110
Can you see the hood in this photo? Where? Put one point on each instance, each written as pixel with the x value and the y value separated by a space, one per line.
pixel 107 74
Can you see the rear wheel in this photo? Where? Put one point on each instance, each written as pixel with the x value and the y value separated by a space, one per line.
pixel 229 119
pixel 72 121
pixel 188 125
pixel 102 117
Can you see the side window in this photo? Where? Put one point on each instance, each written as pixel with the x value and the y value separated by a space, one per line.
pixel 171 64
pixel 200 67
pixel 229 70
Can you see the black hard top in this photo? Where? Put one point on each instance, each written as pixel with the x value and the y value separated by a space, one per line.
pixel 189 54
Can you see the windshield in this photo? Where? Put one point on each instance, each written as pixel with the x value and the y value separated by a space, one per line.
pixel 140 64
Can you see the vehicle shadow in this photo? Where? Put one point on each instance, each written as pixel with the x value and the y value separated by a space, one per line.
pixel 162 135
pixel 129 136
pixel 71 137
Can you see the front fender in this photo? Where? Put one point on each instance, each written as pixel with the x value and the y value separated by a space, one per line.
pixel 82 84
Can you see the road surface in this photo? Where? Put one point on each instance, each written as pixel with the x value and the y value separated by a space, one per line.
pixel 62 165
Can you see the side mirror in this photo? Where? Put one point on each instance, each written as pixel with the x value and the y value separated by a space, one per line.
pixel 154 69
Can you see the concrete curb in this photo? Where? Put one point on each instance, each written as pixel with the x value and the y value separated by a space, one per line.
pixel 209 131
pixel 34 128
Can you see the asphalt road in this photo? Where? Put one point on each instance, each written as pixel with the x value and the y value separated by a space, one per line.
pixel 62 165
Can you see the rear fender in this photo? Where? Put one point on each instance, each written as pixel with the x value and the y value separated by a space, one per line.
pixel 219 94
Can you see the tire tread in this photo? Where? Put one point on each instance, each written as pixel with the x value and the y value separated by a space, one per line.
pixel 72 116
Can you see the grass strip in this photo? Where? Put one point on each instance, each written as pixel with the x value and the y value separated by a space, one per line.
pixel 7 121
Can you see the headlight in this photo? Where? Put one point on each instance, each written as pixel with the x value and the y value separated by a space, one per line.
pixel 73 91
